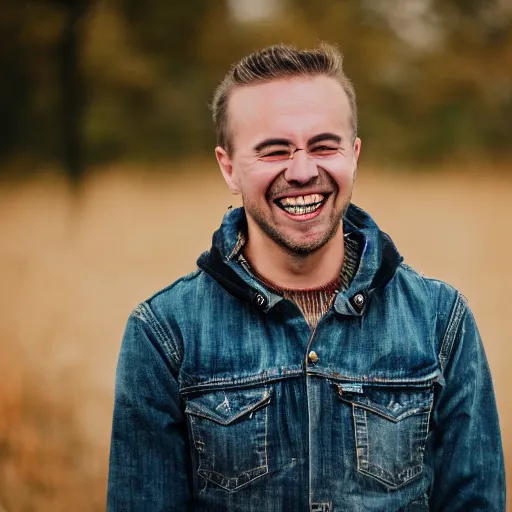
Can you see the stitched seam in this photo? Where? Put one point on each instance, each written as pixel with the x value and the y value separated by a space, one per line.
pixel 458 311
pixel 367 438
pixel 358 459
pixel 144 312
pixel 266 437
pixel 189 277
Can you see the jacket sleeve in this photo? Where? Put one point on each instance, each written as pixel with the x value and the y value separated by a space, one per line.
pixel 148 469
pixel 465 445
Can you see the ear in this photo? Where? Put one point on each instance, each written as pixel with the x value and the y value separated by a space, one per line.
pixel 357 150
pixel 355 155
pixel 226 167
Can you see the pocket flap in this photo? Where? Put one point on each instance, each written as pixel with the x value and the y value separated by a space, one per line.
pixel 391 403
pixel 227 406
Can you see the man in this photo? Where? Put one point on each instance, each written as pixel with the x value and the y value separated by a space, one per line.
pixel 303 366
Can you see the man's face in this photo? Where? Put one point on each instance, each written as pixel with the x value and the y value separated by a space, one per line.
pixel 297 203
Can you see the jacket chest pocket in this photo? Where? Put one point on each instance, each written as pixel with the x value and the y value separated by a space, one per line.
pixel 390 429
pixel 229 434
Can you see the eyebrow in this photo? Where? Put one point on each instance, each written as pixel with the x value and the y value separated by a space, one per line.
pixel 286 142
pixel 325 136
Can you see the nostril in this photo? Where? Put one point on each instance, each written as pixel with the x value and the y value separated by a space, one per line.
pixel 300 178
pixel 301 172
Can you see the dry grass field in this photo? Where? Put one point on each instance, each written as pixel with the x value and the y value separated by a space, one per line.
pixel 72 269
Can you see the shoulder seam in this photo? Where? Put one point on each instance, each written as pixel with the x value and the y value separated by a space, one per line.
pixel 406 266
pixel 457 313
pixel 421 275
pixel 411 270
pixel 144 312
pixel 187 277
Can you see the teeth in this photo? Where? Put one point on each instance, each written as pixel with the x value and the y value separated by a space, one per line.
pixel 309 199
pixel 302 210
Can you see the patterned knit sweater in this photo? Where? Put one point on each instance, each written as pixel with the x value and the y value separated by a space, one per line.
pixel 314 303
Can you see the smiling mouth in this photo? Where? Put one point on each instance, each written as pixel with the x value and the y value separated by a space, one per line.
pixel 301 205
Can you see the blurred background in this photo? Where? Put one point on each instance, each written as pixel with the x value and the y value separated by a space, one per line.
pixel 109 189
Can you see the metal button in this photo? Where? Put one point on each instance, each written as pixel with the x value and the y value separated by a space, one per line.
pixel 260 300
pixel 313 357
pixel 359 300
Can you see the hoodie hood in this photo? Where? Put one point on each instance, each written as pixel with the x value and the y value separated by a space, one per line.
pixel 378 262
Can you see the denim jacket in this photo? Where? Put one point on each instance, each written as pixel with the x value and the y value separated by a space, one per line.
pixel 219 407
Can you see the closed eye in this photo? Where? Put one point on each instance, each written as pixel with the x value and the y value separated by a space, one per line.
pixel 273 155
pixel 324 150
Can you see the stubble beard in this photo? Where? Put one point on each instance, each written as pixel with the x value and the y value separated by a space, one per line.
pixel 287 243
pixel 293 248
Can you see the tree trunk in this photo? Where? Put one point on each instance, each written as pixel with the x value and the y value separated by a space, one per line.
pixel 72 89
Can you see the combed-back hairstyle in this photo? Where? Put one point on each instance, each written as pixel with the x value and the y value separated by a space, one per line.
pixel 273 63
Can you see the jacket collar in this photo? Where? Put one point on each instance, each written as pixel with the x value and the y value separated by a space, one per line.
pixel 378 262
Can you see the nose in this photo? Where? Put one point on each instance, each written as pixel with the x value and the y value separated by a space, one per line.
pixel 301 168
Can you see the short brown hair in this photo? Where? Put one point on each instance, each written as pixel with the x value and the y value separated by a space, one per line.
pixel 272 63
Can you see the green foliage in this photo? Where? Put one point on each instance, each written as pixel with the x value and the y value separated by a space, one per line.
pixel 433 77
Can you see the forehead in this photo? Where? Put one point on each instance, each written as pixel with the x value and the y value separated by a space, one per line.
pixel 296 108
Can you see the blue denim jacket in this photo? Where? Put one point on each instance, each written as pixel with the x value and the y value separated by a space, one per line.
pixel 219 408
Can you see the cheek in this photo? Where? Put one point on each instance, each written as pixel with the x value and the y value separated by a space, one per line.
pixel 257 184
pixel 341 174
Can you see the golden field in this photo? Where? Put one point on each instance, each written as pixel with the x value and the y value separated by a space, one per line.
pixel 72 268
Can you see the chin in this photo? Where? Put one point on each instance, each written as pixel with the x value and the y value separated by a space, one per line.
pixel 304 246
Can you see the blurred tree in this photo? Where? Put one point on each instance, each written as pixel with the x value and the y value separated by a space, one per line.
pixel 72 86
pixel 476 97
pixel 27 87
pixel 433 77
pixel 42 90
pixel 159 111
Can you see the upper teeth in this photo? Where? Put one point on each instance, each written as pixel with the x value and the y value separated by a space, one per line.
pixel 302 200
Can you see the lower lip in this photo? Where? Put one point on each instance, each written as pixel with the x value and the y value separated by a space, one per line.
pixel 304 216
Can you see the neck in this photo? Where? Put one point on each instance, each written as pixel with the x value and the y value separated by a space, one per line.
pixel 293 271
